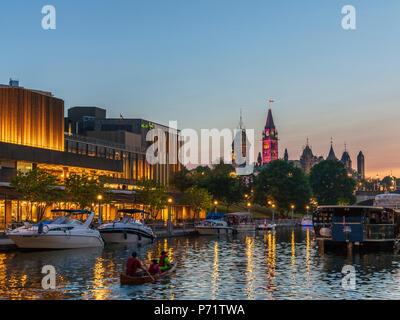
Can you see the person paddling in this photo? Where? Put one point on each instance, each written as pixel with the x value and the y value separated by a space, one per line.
pixel 164 262
pixel 132 265
pixel 154 268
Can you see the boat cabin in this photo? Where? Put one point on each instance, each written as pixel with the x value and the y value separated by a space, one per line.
pixel 356 224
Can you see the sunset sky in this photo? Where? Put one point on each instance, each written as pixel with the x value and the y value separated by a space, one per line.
pixel 200 62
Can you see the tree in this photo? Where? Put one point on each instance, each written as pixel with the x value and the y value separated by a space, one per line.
pixel 224 185
pixel 331 184
pixel 389 183
pixel 153 195
pixel 83 190
pixel 38 187
pixel 283 184
pixel 198 198
pixel 182 180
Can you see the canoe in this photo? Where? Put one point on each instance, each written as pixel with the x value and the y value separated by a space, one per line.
pixel 128 280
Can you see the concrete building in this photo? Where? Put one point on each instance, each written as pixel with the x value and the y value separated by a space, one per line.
pixel 361 165
pixel 34 134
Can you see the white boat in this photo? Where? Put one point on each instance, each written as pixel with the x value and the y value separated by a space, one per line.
pixel 127 229
pixel 306 221
pixel 213 227
pixel 63 233
pixel 266 226
pixel 241 221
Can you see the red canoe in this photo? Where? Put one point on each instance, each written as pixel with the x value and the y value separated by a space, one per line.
pixel 128 280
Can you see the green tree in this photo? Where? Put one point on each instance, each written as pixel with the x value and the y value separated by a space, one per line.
pixel 284 185
pixel 331 184
pixel 198 198
pixel 182 180
pixel 153 195
pixel 389 183
pixel 38 187
pixel 83 190
pixel 223 184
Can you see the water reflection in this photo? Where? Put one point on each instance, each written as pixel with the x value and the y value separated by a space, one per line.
pixel 271 265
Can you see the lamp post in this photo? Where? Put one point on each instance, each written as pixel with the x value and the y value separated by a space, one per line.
pixel 169 223
pixel 307 208
pixel 215 204
pixel 292 207
pixel 248 206
pixel 273 212
pixel 100 197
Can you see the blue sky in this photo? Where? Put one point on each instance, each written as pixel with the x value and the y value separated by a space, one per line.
pixel 200 62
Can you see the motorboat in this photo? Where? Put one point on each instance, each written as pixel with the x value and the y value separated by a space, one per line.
pixel 127 229
pixel 65 232
pixel 213 227
pixel 241 221
pixel 306 221
pixel 266 226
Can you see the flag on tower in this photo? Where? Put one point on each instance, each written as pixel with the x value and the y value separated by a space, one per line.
pixel 271 101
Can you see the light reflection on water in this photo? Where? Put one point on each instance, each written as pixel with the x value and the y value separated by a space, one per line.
pixel 281 265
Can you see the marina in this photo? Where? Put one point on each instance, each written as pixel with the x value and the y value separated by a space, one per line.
pixel 256 265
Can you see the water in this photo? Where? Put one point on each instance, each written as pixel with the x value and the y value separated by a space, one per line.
pixel 261 265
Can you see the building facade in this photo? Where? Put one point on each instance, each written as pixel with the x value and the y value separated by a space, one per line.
pixel 361 165
pixel 34 134
pixel 269 140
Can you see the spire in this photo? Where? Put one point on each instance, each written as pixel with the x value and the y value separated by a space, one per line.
pixel 331 155
pixel 270 121
pixel 241 126
pixel 286 156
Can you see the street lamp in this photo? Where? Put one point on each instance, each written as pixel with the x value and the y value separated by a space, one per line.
pixel 248 206
pixel 307 208
pixel 100 197
pixel 169 223
pixel 292 207
pixel 215 204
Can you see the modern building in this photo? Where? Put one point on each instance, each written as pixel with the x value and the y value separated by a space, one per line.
pixel 269 140
pixel 34 134
pixel 361 165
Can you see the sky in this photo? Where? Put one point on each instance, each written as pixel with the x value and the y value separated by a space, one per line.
pixel 200 62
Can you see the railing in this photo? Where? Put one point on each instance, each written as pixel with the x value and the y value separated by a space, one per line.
pixel 378 231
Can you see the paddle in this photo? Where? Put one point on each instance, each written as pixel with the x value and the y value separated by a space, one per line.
pixel 150 275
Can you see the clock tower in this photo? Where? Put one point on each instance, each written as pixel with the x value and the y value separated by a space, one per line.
pixel 270 140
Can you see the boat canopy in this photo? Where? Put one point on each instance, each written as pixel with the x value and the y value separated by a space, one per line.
pixel 72 211
pixel 132 211
pixel 216 216
pixel 240 214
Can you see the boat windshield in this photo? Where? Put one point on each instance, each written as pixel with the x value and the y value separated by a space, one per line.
pixel 127 220
pixel 66 220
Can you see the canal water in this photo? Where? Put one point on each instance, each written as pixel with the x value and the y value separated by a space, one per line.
pixel 259 265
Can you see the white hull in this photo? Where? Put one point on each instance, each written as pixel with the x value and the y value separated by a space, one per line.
pixel 61 241
pixel 120 237
pixel 245 227
pixel 306 223
pixel 213 231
